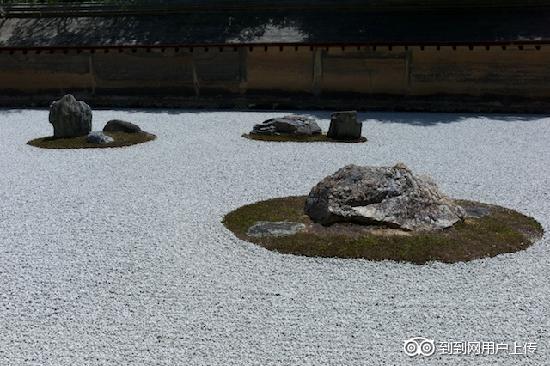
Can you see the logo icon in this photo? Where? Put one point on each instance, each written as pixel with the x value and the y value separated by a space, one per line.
pixel 419 346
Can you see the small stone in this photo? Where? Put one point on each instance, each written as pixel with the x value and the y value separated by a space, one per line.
pixel 288 125
pixel 344 126
pixel 268 228
pixel 70 118
pixel 117 125
pixel 401 166
pixel 97 137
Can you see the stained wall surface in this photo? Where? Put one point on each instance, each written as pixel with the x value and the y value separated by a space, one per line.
pixel 233 72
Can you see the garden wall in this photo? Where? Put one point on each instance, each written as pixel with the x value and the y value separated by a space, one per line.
pixel 439 78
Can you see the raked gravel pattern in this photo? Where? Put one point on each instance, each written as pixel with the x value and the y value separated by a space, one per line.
pixel 119 257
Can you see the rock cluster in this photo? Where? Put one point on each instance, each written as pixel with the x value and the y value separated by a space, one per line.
pixel 344 126
pixel 70 118
pixel 390 196
pixel 288 125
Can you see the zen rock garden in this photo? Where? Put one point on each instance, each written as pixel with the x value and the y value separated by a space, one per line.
pixel 383 213
pixel 368 212
pixel 344 127
pixel 72 129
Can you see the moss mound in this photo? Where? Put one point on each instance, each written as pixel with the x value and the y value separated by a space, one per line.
pixel 500 231
pixel 120 139
pixel 294 138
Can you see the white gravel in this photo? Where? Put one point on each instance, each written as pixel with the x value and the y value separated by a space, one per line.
pixel 119 257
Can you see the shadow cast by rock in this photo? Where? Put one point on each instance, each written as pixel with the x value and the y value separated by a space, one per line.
pixel 294 138
pixel 120 139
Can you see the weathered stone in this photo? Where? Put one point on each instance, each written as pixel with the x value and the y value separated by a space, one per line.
pixel 117 125
pixel 70 118
pixel 288 125
pixel 97 137
pixel 477 211
pixel 344 126
pixel 267 228
pixel 390 196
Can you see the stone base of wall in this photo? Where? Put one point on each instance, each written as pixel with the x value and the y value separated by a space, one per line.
pixel 436 103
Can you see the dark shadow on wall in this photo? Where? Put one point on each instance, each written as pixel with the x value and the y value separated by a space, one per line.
pixel 428 119
pixel 432 119
pixel 315 26
pixel 193 28
pixel 410 118
pixel 7 112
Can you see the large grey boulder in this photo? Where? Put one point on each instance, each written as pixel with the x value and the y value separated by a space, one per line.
pixel 390 196
pixel 97 137
pixel 117 125
pixel 344 126
pixel 288 125
pixel 70 118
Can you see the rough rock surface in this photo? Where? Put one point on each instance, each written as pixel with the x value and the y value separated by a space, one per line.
pixel 70 118
pixel 288 125
pixel 97 137
pixel 268 228
pixel 117 125
pixel 391 196
pixel 344 126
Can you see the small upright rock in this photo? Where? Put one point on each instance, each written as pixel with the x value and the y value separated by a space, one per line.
pixel 288 125
pixel 97 137
pixel 391 196
pixel 70 118
pixel 344 126
pixel 117 125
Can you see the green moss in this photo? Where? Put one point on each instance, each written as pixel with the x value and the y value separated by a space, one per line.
pixel 120 139
pixel 294 138
pixel 502 231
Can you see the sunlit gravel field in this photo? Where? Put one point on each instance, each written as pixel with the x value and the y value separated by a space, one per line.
pixel 119 256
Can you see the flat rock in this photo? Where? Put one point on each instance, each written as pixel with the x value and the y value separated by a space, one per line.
pixel 268 228
pixel 70 118
pixel 97 137
pixel 117 125
pixel 288 125
pixel 389 196
pixel 344 126
pixel 477 211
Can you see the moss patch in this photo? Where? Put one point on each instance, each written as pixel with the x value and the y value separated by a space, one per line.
pixel 120 139
pixel 501 231
pixel 294 138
